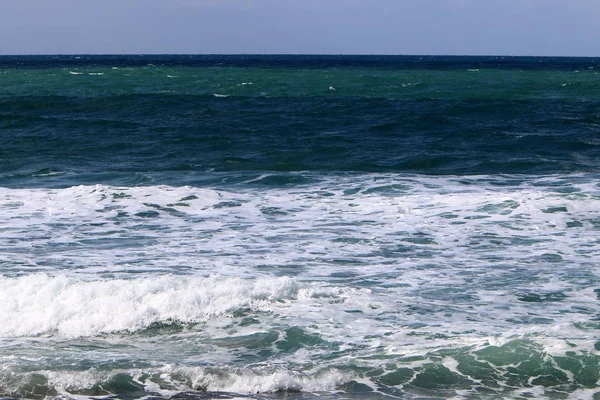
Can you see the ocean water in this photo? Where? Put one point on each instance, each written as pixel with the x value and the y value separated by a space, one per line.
pixel 299 227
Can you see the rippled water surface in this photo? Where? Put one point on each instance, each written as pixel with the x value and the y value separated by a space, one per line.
pixel 299 227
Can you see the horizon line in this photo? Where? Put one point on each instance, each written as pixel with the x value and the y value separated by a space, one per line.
pixel 290 54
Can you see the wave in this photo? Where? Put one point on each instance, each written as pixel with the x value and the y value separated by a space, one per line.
pixel 40 304
pixel 167 381
pixel 67 306
pixel 516 369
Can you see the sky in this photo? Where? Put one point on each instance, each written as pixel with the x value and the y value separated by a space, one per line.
pixel 446 27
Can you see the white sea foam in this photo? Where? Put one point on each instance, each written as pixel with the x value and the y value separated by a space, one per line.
pixel 243 381
pixel 37 304
pixel 247 381
pixel 40 304
pixel 378 264
pixel 282 226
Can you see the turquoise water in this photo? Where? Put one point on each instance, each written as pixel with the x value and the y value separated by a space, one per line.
pixel 299 227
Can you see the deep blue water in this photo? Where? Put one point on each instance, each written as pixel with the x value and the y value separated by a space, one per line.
pixel 120 115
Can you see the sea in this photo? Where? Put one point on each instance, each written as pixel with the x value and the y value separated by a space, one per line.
pixel 294 227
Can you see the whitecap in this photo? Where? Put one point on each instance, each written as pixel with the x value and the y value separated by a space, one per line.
pixel 248 381
pixel 38 303
pixel 172 380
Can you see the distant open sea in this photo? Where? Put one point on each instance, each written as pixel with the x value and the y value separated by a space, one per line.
pixel 299 227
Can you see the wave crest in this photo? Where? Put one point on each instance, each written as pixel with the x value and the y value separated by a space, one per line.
pixel 37 304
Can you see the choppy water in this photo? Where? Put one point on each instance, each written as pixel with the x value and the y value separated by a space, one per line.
pixel 299 227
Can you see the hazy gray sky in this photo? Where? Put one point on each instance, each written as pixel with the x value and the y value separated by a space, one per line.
pixel 499 27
